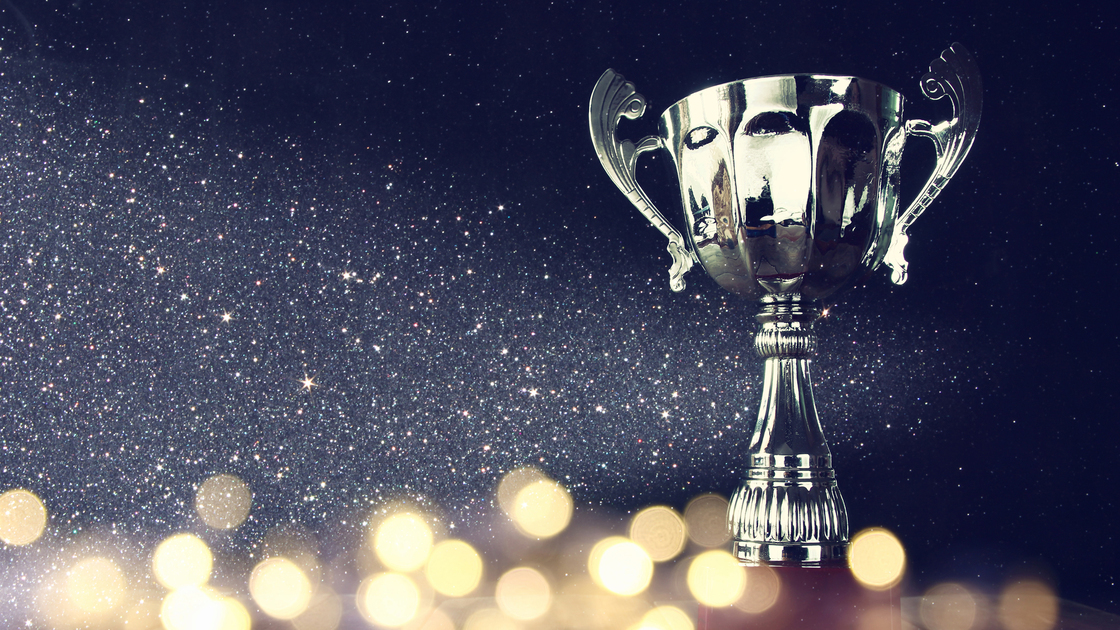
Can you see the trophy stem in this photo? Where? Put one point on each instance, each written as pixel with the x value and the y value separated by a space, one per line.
pixel 788 511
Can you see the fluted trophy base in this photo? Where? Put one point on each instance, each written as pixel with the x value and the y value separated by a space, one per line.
pixel 788 510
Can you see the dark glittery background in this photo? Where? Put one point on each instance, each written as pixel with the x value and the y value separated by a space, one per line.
pixel 355 254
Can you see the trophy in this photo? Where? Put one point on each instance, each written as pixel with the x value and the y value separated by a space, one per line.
pixel 790 189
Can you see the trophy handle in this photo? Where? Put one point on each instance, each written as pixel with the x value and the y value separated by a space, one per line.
pixel 613 98
pixel 954 75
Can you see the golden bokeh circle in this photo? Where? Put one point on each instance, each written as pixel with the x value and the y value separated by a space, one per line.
pixel 716 579
pixel 182 560
pixel 403 542
pixel 620 565
pixel 223 501
pixel 23 517
pixel 877 558
pixel 523 593
pixel 706 519
pixel 389 599
pixel 454 568
pixel 280 588
pixel 660 531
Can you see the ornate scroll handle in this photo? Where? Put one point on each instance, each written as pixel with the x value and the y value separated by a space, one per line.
pixel 954 75
pixel 613 98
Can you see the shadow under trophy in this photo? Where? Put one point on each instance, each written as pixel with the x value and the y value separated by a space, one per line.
pixel 790 189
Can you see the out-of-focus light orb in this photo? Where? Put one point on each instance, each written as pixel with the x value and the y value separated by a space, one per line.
pixel 665 618
pixel 879 617
pixel 403 542
pixel 514 482
pixel 182 560
pixel 1028 605
pixel 706 518
pixel 22 517
pixel 454 568
pixel 761 592
pixel 523 593
pixel 950 606
pixel 95 585
pixel 193 608
pixel 388 599
pixel 877 558
pixel 716 579
pixel 437 620
pixel 223 501
pixel 542 509
pixel 280 588
pixel 324 612
pixel 489 619
pixel 620 565
pixel 660 531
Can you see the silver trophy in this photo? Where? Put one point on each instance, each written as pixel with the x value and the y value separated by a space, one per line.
pixel 790 191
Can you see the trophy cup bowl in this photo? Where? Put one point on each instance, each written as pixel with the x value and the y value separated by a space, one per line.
pixel 789 187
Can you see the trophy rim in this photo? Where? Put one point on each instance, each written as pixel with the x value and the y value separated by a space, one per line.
pixel 771 77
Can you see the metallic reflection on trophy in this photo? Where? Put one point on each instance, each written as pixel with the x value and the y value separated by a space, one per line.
pixel 790 192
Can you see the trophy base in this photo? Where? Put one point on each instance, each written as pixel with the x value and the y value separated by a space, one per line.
pixel 811 599
pixel 803 555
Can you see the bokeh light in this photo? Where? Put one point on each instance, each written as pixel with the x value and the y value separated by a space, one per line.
pixel 542 509
pixel 877 558
pixel 660 531
pixel 706 518
pixel 22 517
pixel 182 560
pixel 389 599
pixel 666 618
pixel 454 568
pixel 324 612
pixel 403 542
pixel 280 588
pixel 223 501
pixel 951 606
pixel 489 619
pixel 514 482
pixel 620 566
pixel 192 608
pixel 523 593
pixel 762 590
pixel 1028 605
pixel 716 579
pixel 96 585
pixel 436 620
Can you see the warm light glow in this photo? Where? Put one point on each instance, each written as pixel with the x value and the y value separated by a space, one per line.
pixel 514 482
pixel 489 619
pixel 403 542
pixel 95 585
pixel 706 516
pixel 223 501
pixel 22 517
pixel 437 620
pixel 191 608
pixel 716 579
pixel 1028 605
pixel 950 606
pixel 280 588
pixel 324 612
pixel 620 566
pixel 762 590
pixel 454 568
pixel 666 618
pixel 523 593
pixel 542 509
pixel 660 531
pixel 877 558
pixel 389 599
pixel 182 560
